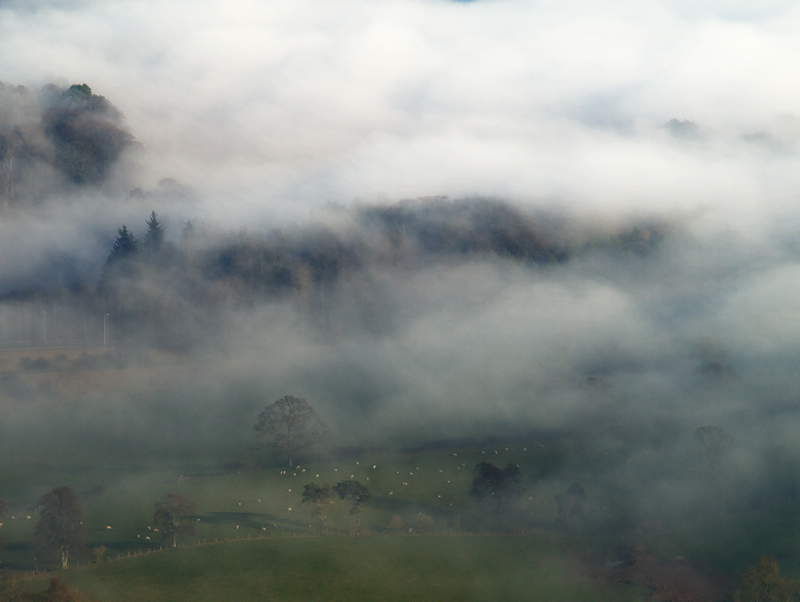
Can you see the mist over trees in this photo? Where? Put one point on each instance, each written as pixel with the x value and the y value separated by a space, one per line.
pixel 54 137
pixel 603 345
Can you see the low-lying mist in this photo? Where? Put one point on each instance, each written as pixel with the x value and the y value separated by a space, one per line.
pixel 438 222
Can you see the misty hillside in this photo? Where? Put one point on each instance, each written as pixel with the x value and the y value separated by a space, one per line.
pixel 54 138
pixel 570 233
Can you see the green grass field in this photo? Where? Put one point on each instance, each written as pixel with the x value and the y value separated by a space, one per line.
pixel 424 537
pixel 345 568
pixel 408 550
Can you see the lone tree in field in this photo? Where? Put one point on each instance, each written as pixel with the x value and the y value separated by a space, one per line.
pixel 290 424
pixel 358 494
pixel 60 530
pixel 319 497
pixel 170 514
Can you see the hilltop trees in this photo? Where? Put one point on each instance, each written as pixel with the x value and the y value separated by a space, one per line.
pixel 170 514
pixel 59 531
pixel 154 238
pixel 290 424
pixel 125 246
pixel 86 132
pixel 53 135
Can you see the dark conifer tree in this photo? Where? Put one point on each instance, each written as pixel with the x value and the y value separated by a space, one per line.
pixel 124 247
pixel 154 237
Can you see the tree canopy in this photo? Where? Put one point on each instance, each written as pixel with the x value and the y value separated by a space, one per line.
pixel 59 531
pixel 154 237
pixel 170 514
pixel 318 496
pixel 290 424
pixel 125 246
pixel 358 494
pixel 494 484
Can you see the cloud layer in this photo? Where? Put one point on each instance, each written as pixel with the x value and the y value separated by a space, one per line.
pixel 282 107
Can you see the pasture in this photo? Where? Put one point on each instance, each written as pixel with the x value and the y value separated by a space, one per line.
pixel 253 538
pixel 122 453
pixel 344 568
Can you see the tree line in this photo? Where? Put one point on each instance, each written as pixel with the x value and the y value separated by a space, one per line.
pixel 176 288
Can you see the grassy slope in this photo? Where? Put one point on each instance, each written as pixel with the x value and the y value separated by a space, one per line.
pixel 343 568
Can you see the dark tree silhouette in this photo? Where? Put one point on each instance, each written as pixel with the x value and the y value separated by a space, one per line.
pixel 125 246
pixel 290 424
pixel 59 531
pixel 170 515
pixel 154 237
pixel 86 132
pixel 494 485
pixel 358 494
pixel 318 496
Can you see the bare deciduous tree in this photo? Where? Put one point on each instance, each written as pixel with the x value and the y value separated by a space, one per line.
pixel 170 514
pixel 60 529
pixel 290 424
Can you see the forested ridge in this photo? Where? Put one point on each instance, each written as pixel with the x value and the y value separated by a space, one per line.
pixel 171 284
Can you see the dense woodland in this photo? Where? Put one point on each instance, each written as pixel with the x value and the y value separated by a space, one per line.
pixel 170 290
